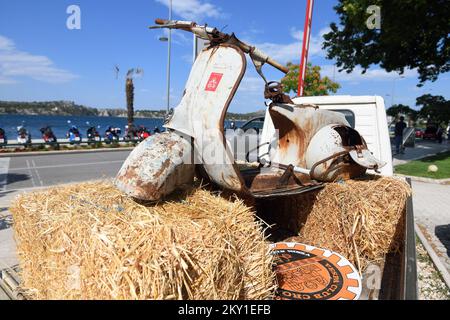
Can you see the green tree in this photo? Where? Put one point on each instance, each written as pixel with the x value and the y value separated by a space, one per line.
pixel 434 108
pixel 315 84
pixel 413 34
pixel 401 109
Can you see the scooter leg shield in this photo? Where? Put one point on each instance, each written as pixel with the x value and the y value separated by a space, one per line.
pixel 156 167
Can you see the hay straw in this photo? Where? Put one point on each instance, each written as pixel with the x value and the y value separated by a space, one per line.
pixel 88 241
pixel 360 219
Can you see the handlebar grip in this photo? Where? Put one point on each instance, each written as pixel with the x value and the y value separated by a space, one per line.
pixel 277 65
pixel 161 21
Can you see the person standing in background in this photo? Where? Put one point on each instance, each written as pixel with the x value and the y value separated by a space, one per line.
pixel 439 134
pixel 448 131
pixel 399 128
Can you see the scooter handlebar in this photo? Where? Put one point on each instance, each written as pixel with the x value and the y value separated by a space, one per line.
pixel 159 21
pixel 277 65
pixel 191 26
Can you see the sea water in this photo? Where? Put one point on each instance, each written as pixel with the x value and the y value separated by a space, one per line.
pixel 61 124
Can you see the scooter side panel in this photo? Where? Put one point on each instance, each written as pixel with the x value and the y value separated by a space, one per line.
pixel 290 131
pixel 213 81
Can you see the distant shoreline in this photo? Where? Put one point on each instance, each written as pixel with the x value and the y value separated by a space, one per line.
pixel 76 115
pixel 69 108
pixel 232 117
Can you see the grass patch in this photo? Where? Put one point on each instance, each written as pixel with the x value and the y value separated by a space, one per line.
pixel 419 168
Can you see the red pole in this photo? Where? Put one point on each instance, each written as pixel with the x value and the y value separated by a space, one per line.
pixel 305 47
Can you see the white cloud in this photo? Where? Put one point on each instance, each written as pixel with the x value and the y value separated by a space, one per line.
pixel 252 84
pixel 6 44
pixel 357 75
pixel 193 9
pixel 15 63
pixel 5 80
pixel 292 51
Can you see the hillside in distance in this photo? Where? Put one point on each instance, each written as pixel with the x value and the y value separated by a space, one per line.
pixel 70 108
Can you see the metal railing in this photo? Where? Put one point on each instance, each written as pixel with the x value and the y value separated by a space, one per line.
pixel 66 142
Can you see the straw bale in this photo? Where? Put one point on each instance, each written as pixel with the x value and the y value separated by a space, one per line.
pixel 89 241
pixel 360 219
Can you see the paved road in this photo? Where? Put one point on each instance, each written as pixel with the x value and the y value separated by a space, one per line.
pixel 422 149
pixel 45 170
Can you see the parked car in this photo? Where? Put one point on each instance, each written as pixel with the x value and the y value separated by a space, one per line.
pixel 244 140
pixel 430 133
pixel 419 133
pixel 255 124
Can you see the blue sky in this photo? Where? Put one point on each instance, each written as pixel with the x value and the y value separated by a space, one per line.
pixel 40 59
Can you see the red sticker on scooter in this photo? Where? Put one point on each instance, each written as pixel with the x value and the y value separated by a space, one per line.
pixel 213 82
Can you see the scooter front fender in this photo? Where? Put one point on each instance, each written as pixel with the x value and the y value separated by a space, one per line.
pixel 156 167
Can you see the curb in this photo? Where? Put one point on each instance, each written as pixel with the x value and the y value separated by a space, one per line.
pixel 427 180
pixel 42 153
pixel 419 157
pixel 423 179
pixel 433 255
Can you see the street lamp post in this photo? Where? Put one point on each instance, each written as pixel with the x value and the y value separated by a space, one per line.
pixel 169 45
pixel 168 59
pixel 393 89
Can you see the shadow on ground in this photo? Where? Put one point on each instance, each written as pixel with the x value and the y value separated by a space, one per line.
pixel 13 178
pixel 5 222
pixel 443 234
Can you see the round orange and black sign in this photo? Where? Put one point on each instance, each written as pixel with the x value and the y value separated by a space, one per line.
pixel 309 273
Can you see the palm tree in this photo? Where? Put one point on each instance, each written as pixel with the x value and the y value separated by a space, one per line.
pixel 129 90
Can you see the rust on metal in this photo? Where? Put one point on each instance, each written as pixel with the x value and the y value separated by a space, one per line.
pixel 156 167
pixel 297 125
pixel 341 167
pixel 275 179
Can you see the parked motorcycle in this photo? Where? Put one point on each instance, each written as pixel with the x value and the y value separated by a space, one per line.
pixel 48 135
pixel 23 136
pixel 74 135
pixel 3 139
pixel 112 134
pixel 131 134
pixel 93 136
pixel 143 133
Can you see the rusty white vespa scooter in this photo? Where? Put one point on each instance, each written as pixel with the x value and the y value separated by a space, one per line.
pixel 301 147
